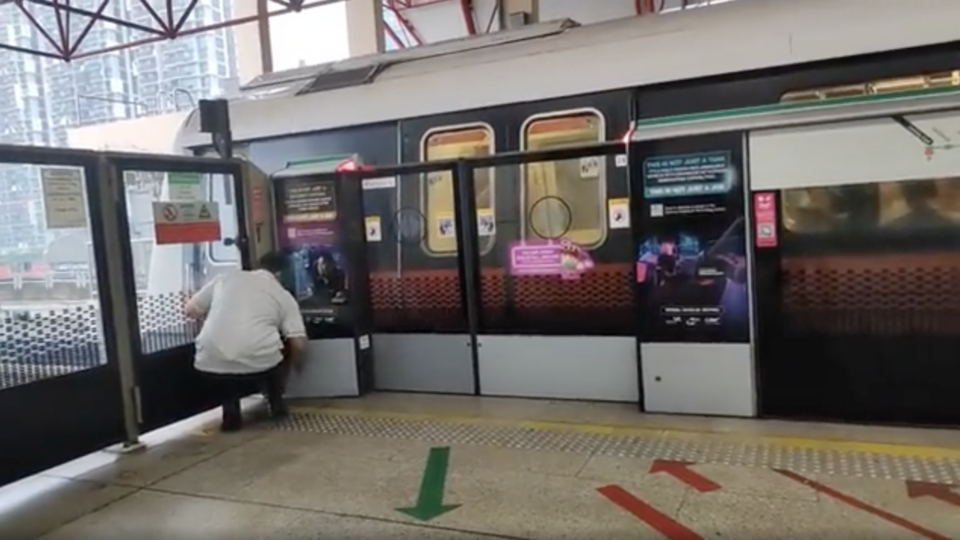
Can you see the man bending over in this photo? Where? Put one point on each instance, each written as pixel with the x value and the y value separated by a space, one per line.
pixel 247 316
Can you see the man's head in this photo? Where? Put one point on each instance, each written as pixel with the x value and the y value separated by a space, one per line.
pixel 274 262
pixel 918 194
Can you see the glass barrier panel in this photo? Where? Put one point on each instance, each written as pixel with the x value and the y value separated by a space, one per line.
pixel 415 285
pixel 49 315
pixel 169 273
pixel 559 264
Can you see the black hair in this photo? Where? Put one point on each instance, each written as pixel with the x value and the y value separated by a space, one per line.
pixel 274 262
pixel 917 193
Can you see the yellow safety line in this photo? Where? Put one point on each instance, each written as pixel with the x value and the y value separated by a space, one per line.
pixel 890 449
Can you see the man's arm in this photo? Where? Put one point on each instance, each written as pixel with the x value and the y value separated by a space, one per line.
pixel 293 330
pixel 199 305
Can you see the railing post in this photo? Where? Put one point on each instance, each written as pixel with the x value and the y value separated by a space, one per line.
pixel 115 304
pixel 468 256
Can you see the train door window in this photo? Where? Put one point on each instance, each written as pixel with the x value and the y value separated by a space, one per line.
pixel 920 205
pixel 564 198
pixel 870 207
pixel 870 211
pixel 830 209
pixel 809 210
pixel 436 191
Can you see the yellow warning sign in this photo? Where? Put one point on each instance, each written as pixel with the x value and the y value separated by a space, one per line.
pixel 204 213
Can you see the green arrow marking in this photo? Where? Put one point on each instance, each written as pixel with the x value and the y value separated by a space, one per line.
pixel 430 501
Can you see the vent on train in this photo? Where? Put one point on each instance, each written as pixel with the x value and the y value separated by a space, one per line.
pixel 335 79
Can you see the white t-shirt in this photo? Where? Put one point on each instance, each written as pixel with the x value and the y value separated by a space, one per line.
pixel 247 312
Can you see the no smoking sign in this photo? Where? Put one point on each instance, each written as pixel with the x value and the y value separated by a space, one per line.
pixel 170 212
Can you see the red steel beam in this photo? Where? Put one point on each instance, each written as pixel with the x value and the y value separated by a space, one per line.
pixel 405 23
pixel 207 28
pixel 170 16
pixel 63 25
pixel 86 13
pixel 164 28
pixel 171 28
pixel 394 37
pixel 35 52
pixel 185 16
pixel 413 4
pixel 469 16
pixel 43 31
pixel 75 46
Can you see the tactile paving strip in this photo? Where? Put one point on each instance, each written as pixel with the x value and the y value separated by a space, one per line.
pixel 702 449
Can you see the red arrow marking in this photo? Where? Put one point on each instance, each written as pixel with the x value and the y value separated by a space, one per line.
pixel 681 471
pixel 941 492
pixel 656 519
pixel 860 505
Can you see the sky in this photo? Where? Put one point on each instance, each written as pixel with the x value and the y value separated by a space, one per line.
pixel 324 28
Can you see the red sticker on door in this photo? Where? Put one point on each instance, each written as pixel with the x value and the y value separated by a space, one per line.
pixel 257 203
pixel 765 219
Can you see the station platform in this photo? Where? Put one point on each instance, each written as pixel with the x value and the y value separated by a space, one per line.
pixel 416 466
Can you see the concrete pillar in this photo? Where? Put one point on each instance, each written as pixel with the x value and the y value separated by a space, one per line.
pixel 510 10
pixel 364 27
pixel 253 43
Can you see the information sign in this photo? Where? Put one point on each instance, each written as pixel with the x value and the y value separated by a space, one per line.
pixel 185 187
pixel 64 204
pixel 186 222
pixel 765 218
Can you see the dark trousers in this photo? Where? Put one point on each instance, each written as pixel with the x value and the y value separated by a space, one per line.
pixel 231 388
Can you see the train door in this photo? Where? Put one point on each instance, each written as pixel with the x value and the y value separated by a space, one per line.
pixel 692 274
pixel 858 269
pixel 538 317
pixel 432 349
pixel 193 205
pixel 318 221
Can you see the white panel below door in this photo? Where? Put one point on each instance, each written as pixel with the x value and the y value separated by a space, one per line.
pixel 330 370
pixel 560 367
pixel 698 378
pixel 440 363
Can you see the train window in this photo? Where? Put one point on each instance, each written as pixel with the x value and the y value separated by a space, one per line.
pixel 813 210
pixel 436 190
pixel 907 205
pixel 564 198
pixel 920 204
pixel 884 86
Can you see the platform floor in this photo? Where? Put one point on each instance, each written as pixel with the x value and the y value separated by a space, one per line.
pixel 413 466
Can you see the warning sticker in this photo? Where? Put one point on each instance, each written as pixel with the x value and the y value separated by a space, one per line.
pixel 186 222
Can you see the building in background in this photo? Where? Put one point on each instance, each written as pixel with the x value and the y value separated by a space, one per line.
pixel 41 98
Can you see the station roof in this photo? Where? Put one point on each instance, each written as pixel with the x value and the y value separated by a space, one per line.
pixel 63 28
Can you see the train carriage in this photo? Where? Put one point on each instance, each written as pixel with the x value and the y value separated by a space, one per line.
pixel 558 84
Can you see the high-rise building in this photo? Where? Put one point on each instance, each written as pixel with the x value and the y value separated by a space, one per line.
pixel 23 120
pixel 90 90
pixel 173 75
pixel 40 98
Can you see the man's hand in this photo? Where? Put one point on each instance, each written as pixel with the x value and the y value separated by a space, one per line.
pixel 297 363
pixel 297 352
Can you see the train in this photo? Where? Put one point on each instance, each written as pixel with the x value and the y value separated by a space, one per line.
pixel 547 85
pixel 550 85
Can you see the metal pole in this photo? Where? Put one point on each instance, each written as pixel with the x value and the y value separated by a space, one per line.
pixel 110 256
pixel 468 254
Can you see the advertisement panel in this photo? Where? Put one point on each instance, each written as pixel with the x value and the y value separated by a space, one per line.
pixel 691 265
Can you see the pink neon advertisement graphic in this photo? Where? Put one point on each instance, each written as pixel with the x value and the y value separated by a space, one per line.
pixel 562 258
